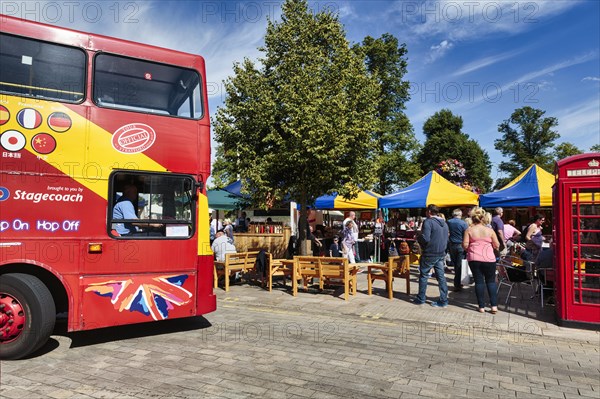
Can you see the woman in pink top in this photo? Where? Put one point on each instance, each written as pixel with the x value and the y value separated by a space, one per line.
pixel 480 241
pixel 510 231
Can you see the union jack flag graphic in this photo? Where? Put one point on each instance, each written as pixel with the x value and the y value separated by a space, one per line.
pixel 152 296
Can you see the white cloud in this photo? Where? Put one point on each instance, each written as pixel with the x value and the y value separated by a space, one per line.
pixel 439 50
pixel 556 67
pixel 460 20
pixel 580 123
pixel 484 62
pixel 345 11
pixel 221 33
pixel 591 78
pixel 530 78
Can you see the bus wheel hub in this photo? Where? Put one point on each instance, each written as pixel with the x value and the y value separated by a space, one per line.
pixel 12 318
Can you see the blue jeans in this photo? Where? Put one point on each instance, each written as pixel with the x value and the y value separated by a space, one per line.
pixel 437 263
pixel 456 256
pixel 357 255
pixel 484 274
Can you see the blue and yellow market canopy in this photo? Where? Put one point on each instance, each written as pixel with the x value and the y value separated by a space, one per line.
pixel 533 187
pixel 430 189
pixel 365 200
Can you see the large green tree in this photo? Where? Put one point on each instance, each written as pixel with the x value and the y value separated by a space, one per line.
pixel 299 125
pixel 563 150
pixel 444 139
pixel 527 138
pixel 394 143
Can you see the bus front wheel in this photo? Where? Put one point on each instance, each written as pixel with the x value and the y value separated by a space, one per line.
pixel 27 315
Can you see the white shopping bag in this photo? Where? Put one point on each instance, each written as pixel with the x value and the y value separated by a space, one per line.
pixel 465 273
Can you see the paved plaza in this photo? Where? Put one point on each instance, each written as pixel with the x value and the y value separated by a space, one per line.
pixel 316 345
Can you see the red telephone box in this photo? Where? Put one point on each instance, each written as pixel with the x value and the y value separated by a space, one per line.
pixel 576 243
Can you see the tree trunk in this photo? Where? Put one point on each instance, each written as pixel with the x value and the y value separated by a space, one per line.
pixel 303 227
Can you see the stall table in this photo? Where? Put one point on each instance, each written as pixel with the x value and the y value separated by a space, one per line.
pixel 275 243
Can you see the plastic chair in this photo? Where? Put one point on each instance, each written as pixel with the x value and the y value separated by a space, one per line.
pixel 545 279
pixel 509 275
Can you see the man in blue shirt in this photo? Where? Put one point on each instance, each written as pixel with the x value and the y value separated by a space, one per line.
pixel 124 209
pixel 433 240
pixel 457 228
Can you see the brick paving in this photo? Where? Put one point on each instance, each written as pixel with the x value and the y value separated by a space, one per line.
pixel 316 345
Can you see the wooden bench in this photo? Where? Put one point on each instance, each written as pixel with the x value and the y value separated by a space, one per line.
pixel 396 266
pixel 331 271
pixel 244 262
pixel 280 268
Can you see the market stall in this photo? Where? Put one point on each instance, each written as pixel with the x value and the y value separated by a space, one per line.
pixel 365 204
pixel 430 189
pixel 533 187
pixel 272 237
pixel 365 200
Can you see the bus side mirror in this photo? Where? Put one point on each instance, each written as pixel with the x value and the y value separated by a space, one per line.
pixel 199 185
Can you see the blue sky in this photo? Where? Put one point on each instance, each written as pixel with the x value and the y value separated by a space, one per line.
pixel 480 59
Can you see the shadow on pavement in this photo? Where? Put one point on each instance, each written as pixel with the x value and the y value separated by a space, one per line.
pixel 118 333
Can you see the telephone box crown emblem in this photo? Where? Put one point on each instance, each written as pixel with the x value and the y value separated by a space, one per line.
pixel 593 163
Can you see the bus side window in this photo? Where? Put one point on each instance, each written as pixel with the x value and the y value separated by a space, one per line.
pixel 151 204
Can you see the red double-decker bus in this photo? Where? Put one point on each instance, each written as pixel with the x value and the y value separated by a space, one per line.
pixel 104 151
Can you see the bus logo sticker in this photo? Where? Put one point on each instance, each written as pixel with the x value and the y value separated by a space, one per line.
pixel 29 118
pixel 4 115
pixel 43 143
pixel 4 193
pixel 12 140
pixel 133 138
pixel 151 296
pixel 59 122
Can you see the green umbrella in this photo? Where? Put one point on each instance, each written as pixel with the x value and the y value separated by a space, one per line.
pixel 222 200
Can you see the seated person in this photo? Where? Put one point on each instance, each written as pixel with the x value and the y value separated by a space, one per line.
pixel 545 259
pixel 544 265
pixel 527 254
pixel 511 233
pixel 124 209
pixel 222 245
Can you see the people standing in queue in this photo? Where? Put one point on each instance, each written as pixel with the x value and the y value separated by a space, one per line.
pixel 241 225
pixel 480 241
pixel 456 228
pixel 352 217
pixel 212 233
pixel 498 227
pixel 433 241
pixel 315 241
pixel 228 229
pixel 348 242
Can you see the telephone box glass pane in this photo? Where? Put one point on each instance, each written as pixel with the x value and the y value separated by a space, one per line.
pixel 586 244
